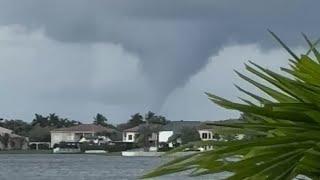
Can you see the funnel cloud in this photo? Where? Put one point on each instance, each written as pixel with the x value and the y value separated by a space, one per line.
pixel 81 57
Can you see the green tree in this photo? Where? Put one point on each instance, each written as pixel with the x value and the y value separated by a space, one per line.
pixel 42 125
pixel 288 124
pixel 41 120
pixel 152 118
pixel 40 134
pixel 135 120
pixel 5 140
pixel 145 133
pixel 150 115
pixel 53 120
pixel 17 126
pixel 189 134
pixel 99 119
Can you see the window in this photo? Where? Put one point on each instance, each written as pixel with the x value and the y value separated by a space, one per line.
pixel 209 136
pixel 204 135
pixel 130 137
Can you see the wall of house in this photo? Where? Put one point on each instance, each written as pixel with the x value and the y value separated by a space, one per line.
pixel 205 135
pixel 2 146
pixel 165 135
pixel 57 137
pixel 16 143
pixel 126 135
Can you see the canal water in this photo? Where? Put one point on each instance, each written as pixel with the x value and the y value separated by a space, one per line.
pixel 79 167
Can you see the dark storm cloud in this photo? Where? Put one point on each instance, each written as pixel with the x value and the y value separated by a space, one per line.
pixel 172 38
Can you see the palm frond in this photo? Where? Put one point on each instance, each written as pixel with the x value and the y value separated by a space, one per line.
pixel 289 123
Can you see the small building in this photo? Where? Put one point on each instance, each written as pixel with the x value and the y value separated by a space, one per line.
pixel 78 132
pixel 214 130
pixel 130 135
pixel 206 132
pixel 174 129
pixel 9 140
pixel 150 142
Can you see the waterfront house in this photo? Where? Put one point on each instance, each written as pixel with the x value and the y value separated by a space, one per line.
pixel 79 132
pixel 9 140
pixel 173 129
pixel 148 133
pixel 213 130
pixel 130 135
pixel 206 132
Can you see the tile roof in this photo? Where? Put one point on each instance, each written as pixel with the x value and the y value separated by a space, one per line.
pixel 4 130
pixel 210 124
pixel 84 128
pixel 8 131
pixel 155 127
pixel 215 127
pixel 177 126
pixel 133 129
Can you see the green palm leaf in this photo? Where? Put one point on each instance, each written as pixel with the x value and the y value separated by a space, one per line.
pixel 288 125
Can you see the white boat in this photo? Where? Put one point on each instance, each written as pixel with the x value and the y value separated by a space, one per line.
pixel 95 152
pixel 141 154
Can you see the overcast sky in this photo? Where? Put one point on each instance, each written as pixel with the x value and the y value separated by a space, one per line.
pixel 77 58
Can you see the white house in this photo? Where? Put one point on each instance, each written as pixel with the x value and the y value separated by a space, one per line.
pixel 205 134
pixel 75 133
pixel 211 130
pixel 130 135
pixel 164 135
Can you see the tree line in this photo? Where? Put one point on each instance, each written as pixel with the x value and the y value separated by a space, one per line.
pixel 39 128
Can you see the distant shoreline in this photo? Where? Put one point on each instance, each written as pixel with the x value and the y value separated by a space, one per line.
pixel 50 152
pixel 26 152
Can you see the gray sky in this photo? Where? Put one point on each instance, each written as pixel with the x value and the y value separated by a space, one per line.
pixel 118 57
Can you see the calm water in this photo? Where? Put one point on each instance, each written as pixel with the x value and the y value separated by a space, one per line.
pixel 77 167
